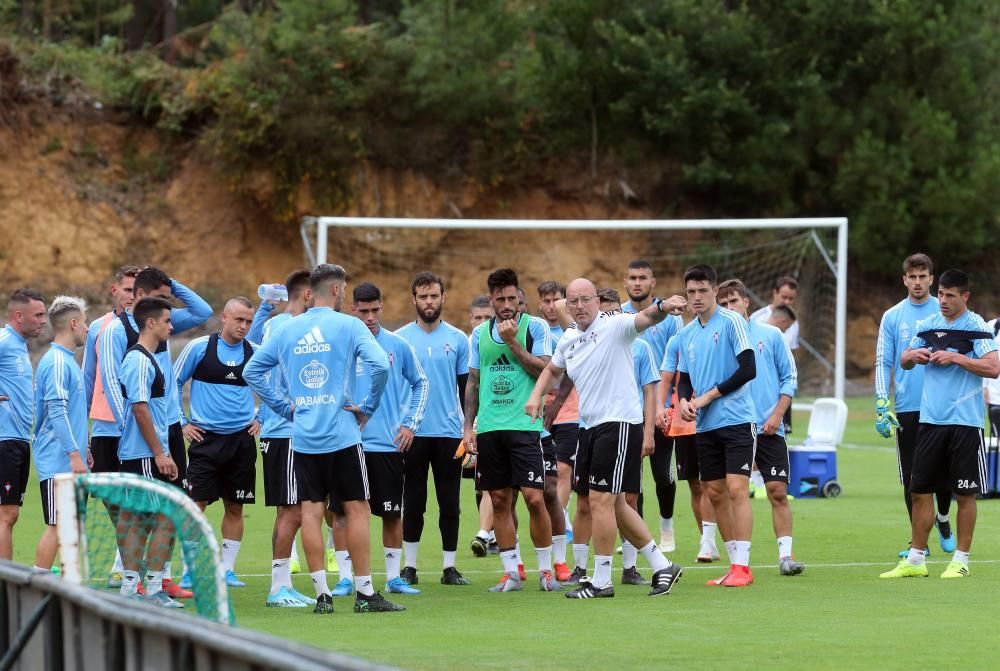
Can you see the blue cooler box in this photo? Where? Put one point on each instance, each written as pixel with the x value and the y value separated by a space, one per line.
pixel 813 471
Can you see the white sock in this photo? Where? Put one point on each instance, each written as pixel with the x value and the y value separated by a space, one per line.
pixel 363 583
pixel 916 557
pixel 517 550
pixel 230 549
pixel 708 532
pixel 319 582
pixel 942 518
pixel 154 582
pixel 602 571
pixel 731 551
pixel 344 564
pixel 559 549
pixel 569 522
pixel 41 569
pixel 653 555
pixel 167 575
pixel 544 558
pixel 666 524
pixel 581 553
pixel 449 559
pixel 742 554
pixel 784 547
pixel 509 560
pixel 281 575
pixel 410 551
pixel 130 582
pixel 484 534
pixel 492 536
pixel 629 554
pixel 294 556
pixel 392 557
pixel 961 557
pixel 118 567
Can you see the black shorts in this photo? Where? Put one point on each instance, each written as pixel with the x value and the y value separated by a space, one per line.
pixel 333 476
pixel 772 458
pixel 906 443
pixel 146 467
pixel 279 472
pixel 175 437
pixel 566 437
pixel 385 483
pixel 15 463
pixel 686 451
pixel 509 459
pixel 549 457
pixel 48 489
pixel 949 457
pixel 104 450
pixel 223 466
pixel 609 459
pixel 728 450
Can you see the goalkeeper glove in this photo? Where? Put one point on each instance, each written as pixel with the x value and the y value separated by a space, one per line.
pixel 885 419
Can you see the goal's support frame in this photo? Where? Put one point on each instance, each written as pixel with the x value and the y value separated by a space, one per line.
pixel 73 539
pixel 838 266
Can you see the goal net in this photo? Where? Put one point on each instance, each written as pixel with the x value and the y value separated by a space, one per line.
pixel 389 252
pixel 100 513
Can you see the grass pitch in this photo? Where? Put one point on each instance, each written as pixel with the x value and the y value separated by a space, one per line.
pixel 838 614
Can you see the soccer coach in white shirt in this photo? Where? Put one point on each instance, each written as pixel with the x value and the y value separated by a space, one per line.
pixel 596 351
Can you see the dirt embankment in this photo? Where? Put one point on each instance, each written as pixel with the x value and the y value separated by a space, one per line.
pixel 81 194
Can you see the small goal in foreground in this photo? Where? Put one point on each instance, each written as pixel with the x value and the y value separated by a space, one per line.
pixel 88 507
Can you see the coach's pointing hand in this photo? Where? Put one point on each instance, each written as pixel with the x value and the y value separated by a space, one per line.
pixel 675 305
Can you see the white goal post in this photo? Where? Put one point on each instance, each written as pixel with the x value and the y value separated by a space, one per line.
pixel 316 228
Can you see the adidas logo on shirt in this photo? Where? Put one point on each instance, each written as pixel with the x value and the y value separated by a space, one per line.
pixel 502 365
pixel 311 343
pixel 231 376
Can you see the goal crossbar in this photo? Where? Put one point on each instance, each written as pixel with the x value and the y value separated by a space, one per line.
pixel 321 224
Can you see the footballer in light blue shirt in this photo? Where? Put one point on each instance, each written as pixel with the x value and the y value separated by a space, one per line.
pixel 957 350
pixel 716 363
pixel 118 336
pixel 443 353
pixel 60 444
pixel 25 319
pixel 772 389
pixel 389 433
pixel 639 285
pixel 319 351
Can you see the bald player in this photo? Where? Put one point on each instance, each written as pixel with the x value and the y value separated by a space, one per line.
pixel 596 352
pixel 222 453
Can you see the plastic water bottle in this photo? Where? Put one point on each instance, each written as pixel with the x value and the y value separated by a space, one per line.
pixel 273 292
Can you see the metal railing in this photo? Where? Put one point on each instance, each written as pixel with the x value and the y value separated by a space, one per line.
pixel 51 624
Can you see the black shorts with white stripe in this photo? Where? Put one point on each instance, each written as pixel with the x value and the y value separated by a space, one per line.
pixel 949 456
pixel 906 443
pixel 728 450
pixel 280 487
pixel 609 459
pixel 772 458
pixel 48 489
pixel 334 476
pixel 146 467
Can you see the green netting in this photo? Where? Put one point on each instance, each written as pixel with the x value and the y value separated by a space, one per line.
pixel 118 511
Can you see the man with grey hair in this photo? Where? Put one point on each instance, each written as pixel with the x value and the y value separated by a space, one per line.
pixel 222 454
pixel 596 352
pixel 61 427
pixel 25 319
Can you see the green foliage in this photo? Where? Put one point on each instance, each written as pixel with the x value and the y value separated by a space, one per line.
pixel 882 111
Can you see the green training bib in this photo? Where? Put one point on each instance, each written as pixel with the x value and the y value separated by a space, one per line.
pixel 504 386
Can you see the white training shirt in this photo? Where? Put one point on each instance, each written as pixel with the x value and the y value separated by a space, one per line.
pixel 599 361
pixel 992 385
pixel 791 336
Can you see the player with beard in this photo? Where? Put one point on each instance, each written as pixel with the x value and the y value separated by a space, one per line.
pixel 443 353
